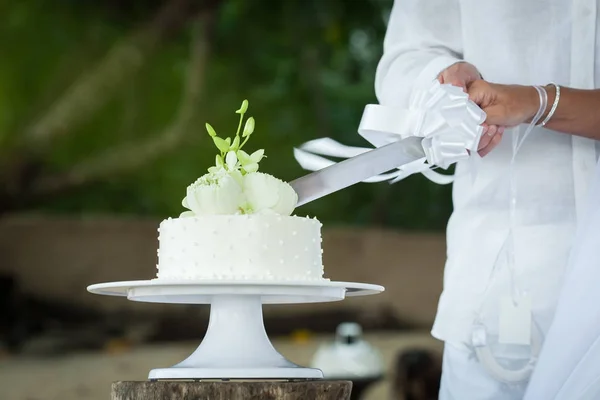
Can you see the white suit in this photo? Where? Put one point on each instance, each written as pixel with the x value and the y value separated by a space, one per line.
pixel 513 42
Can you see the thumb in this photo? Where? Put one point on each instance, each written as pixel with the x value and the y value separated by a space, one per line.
pixel 476 94
pixel 481 93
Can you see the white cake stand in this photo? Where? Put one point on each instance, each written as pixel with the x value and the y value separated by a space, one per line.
pixel 236 345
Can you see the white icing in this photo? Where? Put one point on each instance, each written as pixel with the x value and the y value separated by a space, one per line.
pixel 240 247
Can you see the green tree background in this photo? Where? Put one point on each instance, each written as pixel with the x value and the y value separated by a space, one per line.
pixel 103 103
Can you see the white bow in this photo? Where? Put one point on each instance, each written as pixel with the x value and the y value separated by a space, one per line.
pixel 443 115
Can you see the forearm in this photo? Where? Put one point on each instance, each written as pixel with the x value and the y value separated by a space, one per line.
pixel 578 112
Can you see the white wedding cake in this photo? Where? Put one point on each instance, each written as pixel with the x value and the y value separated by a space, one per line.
pixel 239 224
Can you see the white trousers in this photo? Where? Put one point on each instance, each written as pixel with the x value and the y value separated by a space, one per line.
pixel 464 378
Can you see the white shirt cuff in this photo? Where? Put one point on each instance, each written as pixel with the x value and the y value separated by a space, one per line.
pixel 433 69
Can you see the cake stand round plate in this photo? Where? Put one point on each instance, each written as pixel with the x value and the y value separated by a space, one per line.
pixel 236 345
pixel 203 292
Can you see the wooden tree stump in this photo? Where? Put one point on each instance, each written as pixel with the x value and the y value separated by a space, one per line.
pixel 187 390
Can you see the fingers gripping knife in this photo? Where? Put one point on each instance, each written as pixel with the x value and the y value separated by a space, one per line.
pixel 439 127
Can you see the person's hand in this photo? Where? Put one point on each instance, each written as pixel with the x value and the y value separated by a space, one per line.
pixel 506 105
pixel 460 74
pixel 463 74
pixel 490 138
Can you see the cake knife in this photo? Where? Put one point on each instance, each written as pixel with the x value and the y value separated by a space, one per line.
pixel 356 169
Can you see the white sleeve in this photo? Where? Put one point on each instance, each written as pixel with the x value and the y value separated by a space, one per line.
pixel 422 39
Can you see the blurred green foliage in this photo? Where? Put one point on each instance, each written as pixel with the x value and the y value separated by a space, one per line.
pixel 306 66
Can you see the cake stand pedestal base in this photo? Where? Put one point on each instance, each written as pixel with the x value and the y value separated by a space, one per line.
pixel 165 390
pixel 236 346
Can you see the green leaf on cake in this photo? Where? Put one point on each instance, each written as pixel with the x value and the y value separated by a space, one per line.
pixel 211 130
pixel 243 107
pixel 257 155
pixel 236 143
pixel 252 167
pixel 249 127
pixel 228 140
pixel 219 160
pixel 221 144
pixel 244 157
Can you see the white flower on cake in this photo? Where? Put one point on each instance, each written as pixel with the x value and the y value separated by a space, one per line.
pixel 215 193
pixel 266 194
pixel 233 185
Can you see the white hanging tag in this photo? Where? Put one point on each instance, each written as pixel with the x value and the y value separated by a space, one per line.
pixel 515 321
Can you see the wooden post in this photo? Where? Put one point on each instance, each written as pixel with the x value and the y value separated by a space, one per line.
pixel 212 390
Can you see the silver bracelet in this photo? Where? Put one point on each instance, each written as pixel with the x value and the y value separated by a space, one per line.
pixel 554 105
pixel 543 104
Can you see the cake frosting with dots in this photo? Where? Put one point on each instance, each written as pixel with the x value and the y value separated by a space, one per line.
pixel 239 224
pixel 249 247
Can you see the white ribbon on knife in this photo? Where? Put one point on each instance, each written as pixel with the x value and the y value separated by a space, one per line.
pixel 443 115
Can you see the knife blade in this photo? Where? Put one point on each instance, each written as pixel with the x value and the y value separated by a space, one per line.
pixel 356 169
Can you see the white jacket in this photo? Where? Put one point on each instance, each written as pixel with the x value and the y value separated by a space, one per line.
pixel 514 42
